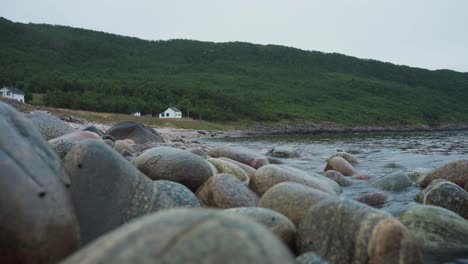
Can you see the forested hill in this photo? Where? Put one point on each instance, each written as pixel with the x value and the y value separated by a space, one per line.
pixel 92 70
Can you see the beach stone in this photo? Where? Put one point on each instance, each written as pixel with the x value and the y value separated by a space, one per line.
pixel 37 220
pixel 341 165
pixel 345 231
pixel 272 160
pixel 240 154
pixel 291 199
pixel 109 142
pixel 310 258
pixel 373 198
pixel 445 194
pixel 270 175
pixel 395 181
pixel 226 191
pixel 437 229
pixel 466 187
pixel 49 125
pixel 454 171
pixel 283 152
pixel 187 236
pixel 94 129
pixel 246 168
pixel 61 145
pixel 199 152
pixel 107 191
pixel 166 163
pixel 223 166
pixel 121 145
pixel 393 165
pixel 173 195
pixel 364 177
pixel 348 157
pixel 338 178
pixel 135 131
pixel 277 223
pixel 129 141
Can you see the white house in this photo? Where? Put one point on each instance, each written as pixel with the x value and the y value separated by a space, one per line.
pixel 171 112
pixel 12 93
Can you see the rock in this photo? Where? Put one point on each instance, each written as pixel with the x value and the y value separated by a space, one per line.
pixel 270 175
pixel 94 130
pixel 277 223
pixel 121 145
pixel 61 145
pixel 37 221
pixel 275 161
pixel 239 154
pixel 395 182
pixel 393 165
pixel 198 152
pixel 345 231
pixel 223 166
pixel 291 199
pixel 338 178
pixel 466 187
pixel 416 175
pixel 173 195
pixel 107 191
pixel 246 168
pixel 165 163
pixel 283 152
pixel 348 157
pixel 49 125
pixel 226 191
pixel 187 236
pixel 364 177
pixel 341 165
pixel 310 258
pixel 373 198
pixel 109 142
pixel 135 131
pixel 445 194
pixel 455 171
pixel 437 230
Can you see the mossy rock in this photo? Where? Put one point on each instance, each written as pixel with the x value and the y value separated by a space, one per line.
pixel 395 181
pixel 223 166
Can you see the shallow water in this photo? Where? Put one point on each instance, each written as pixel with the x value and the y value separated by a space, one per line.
pixel 406 151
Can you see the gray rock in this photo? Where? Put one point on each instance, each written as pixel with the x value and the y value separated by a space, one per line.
pixel 240 154
pixel 37 221
pixel 223 166
pixel 49 125
pixel 198 152
pixel 338 178
pixel 63 144
pixel 283 152
pixel 395 181
pixel 393 165
pixel 246 168
pixel 173 195
pixel 310 258
pixel 135 131
pixel 348 157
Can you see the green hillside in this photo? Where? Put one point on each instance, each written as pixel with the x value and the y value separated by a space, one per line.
pixel 91 70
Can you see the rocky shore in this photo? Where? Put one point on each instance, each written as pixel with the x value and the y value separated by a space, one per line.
pixel 77 192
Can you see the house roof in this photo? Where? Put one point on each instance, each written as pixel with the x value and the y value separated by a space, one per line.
pixel 175 109
pixel 14 90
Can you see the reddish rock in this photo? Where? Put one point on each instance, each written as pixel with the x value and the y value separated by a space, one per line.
pixel 455 171
pixel 341 165
pixel 373 199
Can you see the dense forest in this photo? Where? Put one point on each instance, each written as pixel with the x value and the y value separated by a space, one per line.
pixel 84 69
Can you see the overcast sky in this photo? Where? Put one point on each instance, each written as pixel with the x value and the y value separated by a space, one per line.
pixel 430 34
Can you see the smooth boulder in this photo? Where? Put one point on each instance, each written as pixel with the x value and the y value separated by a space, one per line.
pixel 341 165
pixel 310 258
pixel 135 131
pixel 395 182
pixel 49 125
pixel 240 154
pixel 37 220
pixel 62 145
pixel 373 198
pixel 348 157
pixel 223 166
pixel 283 152
pixel 246 168
pixel 338 178
pixel 187 236
pixel 454 171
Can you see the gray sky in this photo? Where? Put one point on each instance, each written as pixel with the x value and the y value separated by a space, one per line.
pixel 430 34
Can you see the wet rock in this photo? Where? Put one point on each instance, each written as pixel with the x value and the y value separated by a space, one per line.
pixel 226 191
pixel 240 154
pixel 355 233
pixel 310 258
pixel 135 131
pixel 49 125
pixel 277 223
pixel 37 221
pixel 165 163
pixel 223 166
pixel 395 181
pixel 393 165
pixel 373 199
pixel 61 145
pixel 454 171
pixel 364 177
pixel 445 194
pixel 291 199
pixel 283 152
pixel 437 230
pixel 173 195
pixel 270 175
pixel 341 165
pixel 338 178
pixel 121 145
pixel 348 157
pixel 246 168
pixel 416 175
pixel 198 152
pixel 94 130
pixel 187 236
pixel 107 191
pixel 275 161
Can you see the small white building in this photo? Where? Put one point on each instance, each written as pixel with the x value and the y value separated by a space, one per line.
pixel 12 93
pixel 136 114
pixel 171 112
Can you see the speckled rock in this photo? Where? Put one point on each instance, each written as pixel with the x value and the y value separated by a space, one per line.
pixel 345 231
pixel 121 145
pixel 277 223
pixel 166 163
pixel 49 125
pixel 395 181
pixel 338 178
pixel 240 154
pixel 173 195
pixel 310 258
pixel 246 168
pixel 187 236
pixel 226 191
pixel 445 194
pixel 373 198
pixel 270 175
pixel 348 157
pixel 341 165
pixel 283 152
pixel 135 131
pixel 438 230
pixel 107 191
pixel 454 171
pixel 223 166
pixel 291 199
pixel 37 221
pixel 61 145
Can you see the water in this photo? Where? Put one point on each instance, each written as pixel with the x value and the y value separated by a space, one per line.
pixel 408 152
